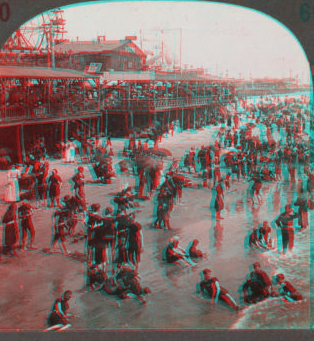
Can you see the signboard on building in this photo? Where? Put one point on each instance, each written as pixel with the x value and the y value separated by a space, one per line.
pixel 93 68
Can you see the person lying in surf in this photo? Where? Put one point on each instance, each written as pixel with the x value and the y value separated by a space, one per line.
pixel 126 284
pixel 210 288
pixel 286 289
pixel 95 278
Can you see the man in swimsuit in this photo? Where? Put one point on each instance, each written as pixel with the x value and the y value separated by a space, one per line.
pixel 93 223
pixel 27 227
pixel 107 236
pixel 135 242
pixel 53 187
pixel 252 290
pixel 285 222
pixel 255 191
pixel 175 254
pixel 261 277
pixel 210 287
pixel 254 239
pixel 264 232
pixel 78 185
pixel 60 217
pixel 219 201
pixel 193 252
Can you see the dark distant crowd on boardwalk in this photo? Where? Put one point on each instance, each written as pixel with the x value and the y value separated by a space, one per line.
pixel 251 143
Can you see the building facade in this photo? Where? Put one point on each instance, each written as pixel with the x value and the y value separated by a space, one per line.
pixel 123 55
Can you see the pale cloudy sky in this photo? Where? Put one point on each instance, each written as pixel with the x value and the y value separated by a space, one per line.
pixel 216 36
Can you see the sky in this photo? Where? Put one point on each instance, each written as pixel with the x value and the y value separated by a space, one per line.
pixel 221 38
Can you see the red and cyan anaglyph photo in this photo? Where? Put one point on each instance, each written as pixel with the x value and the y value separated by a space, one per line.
pixel 155 170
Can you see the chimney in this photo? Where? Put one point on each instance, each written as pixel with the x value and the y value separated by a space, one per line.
pixel 130 38
pixel 101 39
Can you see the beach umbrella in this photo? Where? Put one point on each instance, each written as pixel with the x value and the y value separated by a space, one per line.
pixel 145 135
pixel 228 151
pixel 144 161
pixel 232 149
pixel 125 164
pixel 5 151
pixel 5 159
pixel 112 83
pixel 162 152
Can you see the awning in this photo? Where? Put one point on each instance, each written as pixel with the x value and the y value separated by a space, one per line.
pixel 41 73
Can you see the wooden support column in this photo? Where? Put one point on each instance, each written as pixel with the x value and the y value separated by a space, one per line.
pixel 194 119
pixel 177 115
pixel 22 142
pixel 98 124
pixel 89 127
pixel 62 132
pixel 51 135
pixel 102 122
pixel 182 118
pixel 94 127
pixel 126 124
pixel 131 116
pixel 106 132
pixel 163 121
pixel 84 129
pixel 18 140
pixel 66 130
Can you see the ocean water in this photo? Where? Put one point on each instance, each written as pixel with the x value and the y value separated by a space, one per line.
pixel 174 304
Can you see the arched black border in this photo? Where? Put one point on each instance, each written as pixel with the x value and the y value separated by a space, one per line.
pixel 287 12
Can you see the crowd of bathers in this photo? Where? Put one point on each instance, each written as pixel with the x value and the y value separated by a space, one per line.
pixel 114 238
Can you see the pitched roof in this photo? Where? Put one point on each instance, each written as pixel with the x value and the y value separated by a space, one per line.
pixel 40 72
pixel 90 47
